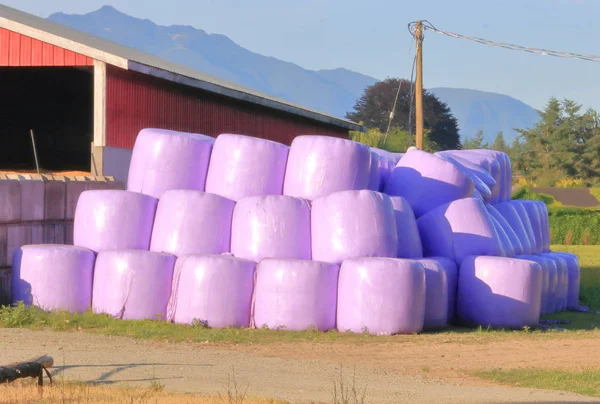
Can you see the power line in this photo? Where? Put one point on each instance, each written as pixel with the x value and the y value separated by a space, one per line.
pixel 545 52
pixel 392 112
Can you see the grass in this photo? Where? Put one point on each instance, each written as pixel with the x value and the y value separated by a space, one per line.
pixel 586 382
pixel 77 392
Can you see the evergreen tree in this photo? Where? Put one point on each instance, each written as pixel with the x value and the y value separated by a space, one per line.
pixel 499 143
pixel 477 142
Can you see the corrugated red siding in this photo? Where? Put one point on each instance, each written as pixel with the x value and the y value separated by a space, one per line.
pixel 135 101
pixel 21 50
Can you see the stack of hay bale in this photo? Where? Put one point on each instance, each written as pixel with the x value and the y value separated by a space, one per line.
pixel 327 233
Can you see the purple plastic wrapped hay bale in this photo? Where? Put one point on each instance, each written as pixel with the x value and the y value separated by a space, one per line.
pixel 53 277
pixel 437 293
pixel 549 281
pixel 165 159
pixel 427 181
pixel 10 201
pixel 242 166
pixel 33 192
pixel 533 213
pixel 508 211
pixel 409 242
pixel 562 290
pixel 382 296
pixel 499 292
pixel 480 187
pixel 352 224
pixel 482 173
pixel 274 226
pixel 296 295
pixel 516 245
pixel 213 289
pixel 573 279
pixel 114 220
pixel 451 270
pixel 132 284
pixel 507 247
pixel 459 229
pixel 522 212
pixel 192 222
pixel 374 173
pixel 320 165
pixel 546 239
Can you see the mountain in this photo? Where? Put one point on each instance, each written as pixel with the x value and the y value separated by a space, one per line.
pixel 331 91
pixel 490 112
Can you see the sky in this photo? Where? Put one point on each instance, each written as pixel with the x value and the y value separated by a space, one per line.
pixel 371 37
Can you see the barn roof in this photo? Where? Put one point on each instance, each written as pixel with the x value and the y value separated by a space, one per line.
pixel 131 59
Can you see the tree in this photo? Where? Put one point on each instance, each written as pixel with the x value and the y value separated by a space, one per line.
pixel 564 143
pixel 477 142
pixel 373 109
pixel 500 144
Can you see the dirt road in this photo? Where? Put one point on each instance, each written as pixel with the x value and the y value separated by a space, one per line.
pixel 305 375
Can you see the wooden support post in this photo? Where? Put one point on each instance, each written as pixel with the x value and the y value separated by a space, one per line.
pixel 419 85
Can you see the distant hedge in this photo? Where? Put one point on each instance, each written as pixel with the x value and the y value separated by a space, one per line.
pixel 574 226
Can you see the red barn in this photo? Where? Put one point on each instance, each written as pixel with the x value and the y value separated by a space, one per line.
pixel 87 98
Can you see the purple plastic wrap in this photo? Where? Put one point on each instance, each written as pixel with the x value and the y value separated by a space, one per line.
pixel 386 165
pixel 562 290
pixel 499 292
pixel 545 221
pixel 507 248
pixel 508 211
pixel 497 171
pixel 242 166
pixel 132 284
pixel 573 279
pixel 459 229
pixel 409 242
pixel 508 229
pixel 374 173
pixel 428 181
pixel 488 162
pixel 296 294
pixel 165 159
pixel 451 270
pixel 522 212
pixel 273 226
pixel 114 220
pixel 481 172
pixel 352 224
pixel 53 277
pixel 192 222
pixel 480 186
pixel 320 165
pixel 436 294
pixel 505 173
pixel 382 296
pixel 549 281
pixel 10 201
pixel 533 214
pixel 214 289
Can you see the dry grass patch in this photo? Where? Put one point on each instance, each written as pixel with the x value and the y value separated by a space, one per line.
pixel 74 392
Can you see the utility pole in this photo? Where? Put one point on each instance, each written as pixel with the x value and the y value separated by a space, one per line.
pixel 419 85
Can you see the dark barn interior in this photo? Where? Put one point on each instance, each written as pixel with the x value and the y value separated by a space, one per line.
pixel 57 103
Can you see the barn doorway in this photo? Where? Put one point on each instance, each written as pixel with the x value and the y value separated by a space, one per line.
pixel 57 103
